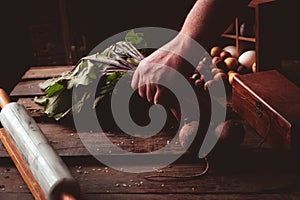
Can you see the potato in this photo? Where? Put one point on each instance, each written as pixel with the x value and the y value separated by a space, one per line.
pixel 220 76
pixel 231 134
pixel 231 75
pixel 231 63
pixel 243 70
pixel 231 131
pixel 209 84
pixel 191 134
pixel 199 82
pixel 187 133
pixel 216 60
pixel 216 70
pixel 254 67
pixel 215 51
pixel 225 54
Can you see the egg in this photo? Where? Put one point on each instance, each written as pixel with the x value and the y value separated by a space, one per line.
pixel 232 50
pixel 247 59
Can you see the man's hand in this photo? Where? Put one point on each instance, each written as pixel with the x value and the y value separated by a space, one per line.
pixel 154 69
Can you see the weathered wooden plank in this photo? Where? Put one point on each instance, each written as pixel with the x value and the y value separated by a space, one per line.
pixel 193 196
pixel 99 179
pixel 34 109
pixel 255 3
pixel 251 140
pixel 44 72
pixel 251 175
pixel 16 196
pixel 27 88
pixel 22 166
pixel 67 141
pixel 26 196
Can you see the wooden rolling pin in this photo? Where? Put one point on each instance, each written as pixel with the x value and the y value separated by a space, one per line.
pixel 41 167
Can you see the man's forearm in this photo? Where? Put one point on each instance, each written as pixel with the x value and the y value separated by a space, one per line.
pixel 209 18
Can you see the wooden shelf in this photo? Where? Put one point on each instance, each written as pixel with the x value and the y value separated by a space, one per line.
pixel 242 38
pixel 254 3
pixel 226 35
pixel 248 39
pixel 263 12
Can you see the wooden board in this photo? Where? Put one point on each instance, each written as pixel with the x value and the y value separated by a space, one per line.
pixel 97 180
pixel 27 89
pixel 66 140
pixel 45 72
pixel 253 173
pixel 26 196
pixel 22 167
pixel 270 103
pixel 255 3
pixel 34 76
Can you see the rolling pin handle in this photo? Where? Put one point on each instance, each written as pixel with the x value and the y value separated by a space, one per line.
pixel 66 196
pixel 4 98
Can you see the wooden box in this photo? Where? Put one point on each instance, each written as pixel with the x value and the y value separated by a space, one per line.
pixel 270 103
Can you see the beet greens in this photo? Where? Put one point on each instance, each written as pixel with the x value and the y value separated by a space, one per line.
pixel 103 69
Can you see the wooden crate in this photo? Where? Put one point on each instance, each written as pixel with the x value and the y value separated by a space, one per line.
pixel 270 103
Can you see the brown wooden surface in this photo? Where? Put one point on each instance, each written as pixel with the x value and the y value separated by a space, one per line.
pixel 279 101
pixel 27 88
pixel 45 72
pixel 255 3
pixel 21 165
pixel 251 173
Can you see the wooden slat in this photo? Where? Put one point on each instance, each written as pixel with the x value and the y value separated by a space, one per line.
pixel 34 109
pixel 27 88
pixel 101 180
pixel 22 166
pixel 252 174
pixel 193 196
pixel 26 196
pixel 255 3
pixel 16 196
pixel 67 142
pixel 44 72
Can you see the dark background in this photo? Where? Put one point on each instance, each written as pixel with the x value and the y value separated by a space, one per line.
pixel 31 31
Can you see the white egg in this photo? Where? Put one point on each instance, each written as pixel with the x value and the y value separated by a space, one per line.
pixel 247 59
pixel 232 50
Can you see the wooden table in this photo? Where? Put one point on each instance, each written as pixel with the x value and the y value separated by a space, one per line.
pixel 250 174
